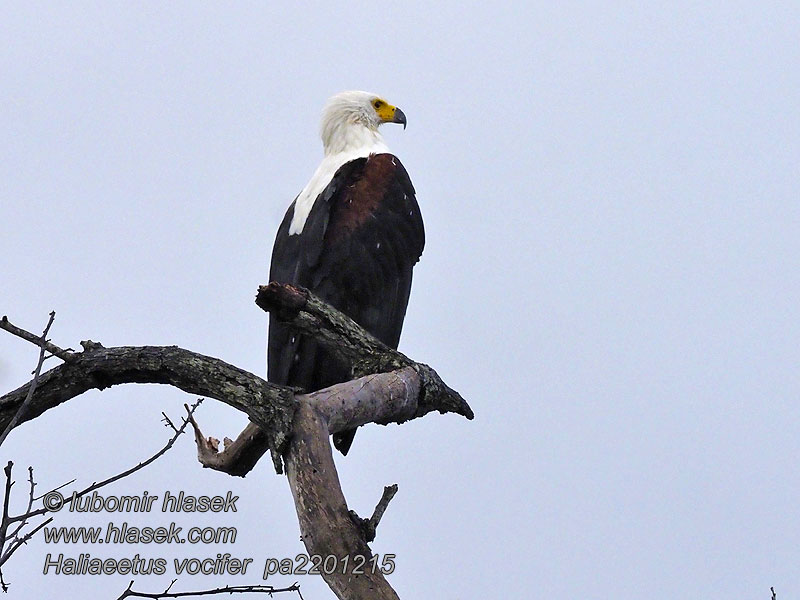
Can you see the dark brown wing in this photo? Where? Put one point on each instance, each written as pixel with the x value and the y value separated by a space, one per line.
pixel 356 251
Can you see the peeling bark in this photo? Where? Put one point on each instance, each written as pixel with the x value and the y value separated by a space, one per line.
pixel 325 523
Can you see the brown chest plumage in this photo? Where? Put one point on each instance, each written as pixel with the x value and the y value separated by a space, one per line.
pixel 361 198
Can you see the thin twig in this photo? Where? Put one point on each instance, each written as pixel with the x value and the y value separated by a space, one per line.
pixel 235 589
pixel 24 406
pixel 31 499
pixel 61 353
pixel 388 493
pixel 24 539
pixel 16 542
pixel 368 527
pixel 55 489
pixel 6 522
pixel 119 476
pixel 168 422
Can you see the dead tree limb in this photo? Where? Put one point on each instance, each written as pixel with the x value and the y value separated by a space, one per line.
pixel 65 355
pixel 309 315
pixel 390 388
pixel 97 367
pixel 369 526
pixel 326 524
pixel 338 332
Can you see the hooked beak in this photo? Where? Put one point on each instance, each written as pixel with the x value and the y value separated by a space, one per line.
pixel 399 117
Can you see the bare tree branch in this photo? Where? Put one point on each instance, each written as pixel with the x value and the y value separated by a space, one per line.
pixel 382 398
pixel 271 406
pixel 369 526
pixel 5 523
pixel 295 426
pixel 388 493
pixel 239 456
pixel 64 355
pixel 325 523
pixel 31 500
pixel 23 408
pixel 97 485
pixel 235 589
pixel 308 314
pixel 14 541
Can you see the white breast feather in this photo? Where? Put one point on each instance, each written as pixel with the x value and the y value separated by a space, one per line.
pixel 359 142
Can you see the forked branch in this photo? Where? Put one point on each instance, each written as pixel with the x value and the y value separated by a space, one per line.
pixel 388 387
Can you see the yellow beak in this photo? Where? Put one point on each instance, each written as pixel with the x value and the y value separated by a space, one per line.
pixel 391 114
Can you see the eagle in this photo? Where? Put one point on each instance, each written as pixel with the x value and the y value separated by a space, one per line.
pixel 352 236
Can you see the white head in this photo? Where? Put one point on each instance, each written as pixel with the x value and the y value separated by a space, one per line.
pixel 350 120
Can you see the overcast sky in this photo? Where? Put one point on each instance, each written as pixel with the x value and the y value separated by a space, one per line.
pixel 611 277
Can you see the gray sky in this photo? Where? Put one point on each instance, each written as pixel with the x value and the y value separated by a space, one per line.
pixel 611 276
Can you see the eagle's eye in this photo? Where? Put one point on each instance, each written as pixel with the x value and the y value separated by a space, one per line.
pixel 377 104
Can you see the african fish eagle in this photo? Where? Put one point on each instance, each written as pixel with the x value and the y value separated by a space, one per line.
pixel 352 237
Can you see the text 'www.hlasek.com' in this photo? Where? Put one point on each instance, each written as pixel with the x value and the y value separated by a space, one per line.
pixel 121 532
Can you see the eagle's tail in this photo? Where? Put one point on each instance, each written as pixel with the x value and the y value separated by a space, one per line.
pixel 343 440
